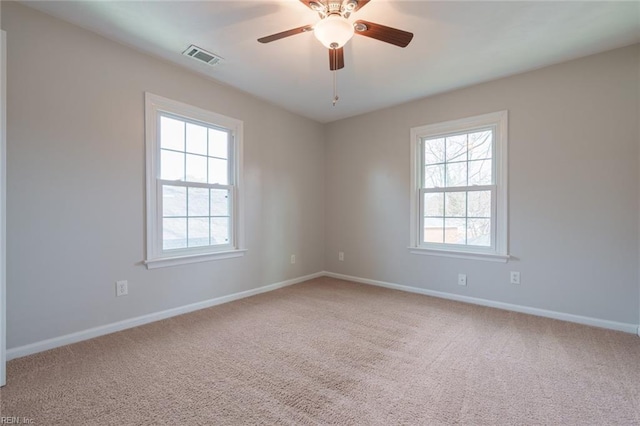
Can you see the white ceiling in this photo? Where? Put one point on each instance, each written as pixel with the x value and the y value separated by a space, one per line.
pixel 455 44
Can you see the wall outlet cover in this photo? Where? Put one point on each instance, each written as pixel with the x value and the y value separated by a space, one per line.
pixel 122 288
pixel 462 279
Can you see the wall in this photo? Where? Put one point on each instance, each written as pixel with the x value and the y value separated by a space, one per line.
pixel 76 183
pixel 573 190
pixel 76 186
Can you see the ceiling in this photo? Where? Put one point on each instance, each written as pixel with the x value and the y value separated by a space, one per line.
pixel 455 44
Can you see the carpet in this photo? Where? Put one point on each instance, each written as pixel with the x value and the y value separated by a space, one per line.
pixel 329 351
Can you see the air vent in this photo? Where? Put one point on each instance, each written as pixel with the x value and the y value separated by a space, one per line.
pixel 202 55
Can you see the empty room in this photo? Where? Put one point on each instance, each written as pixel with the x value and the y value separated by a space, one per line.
pixel 348 212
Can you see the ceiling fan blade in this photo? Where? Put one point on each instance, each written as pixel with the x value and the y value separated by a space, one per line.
pixel 278 36
pixel 336 59
pixel 361 4
pixel 382 33
pixel 311 4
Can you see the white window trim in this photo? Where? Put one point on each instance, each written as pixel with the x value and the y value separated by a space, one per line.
pixel 155 257
pixel 498 120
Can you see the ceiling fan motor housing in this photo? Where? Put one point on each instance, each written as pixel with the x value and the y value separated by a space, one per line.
pixel 335 7
pixel 324 9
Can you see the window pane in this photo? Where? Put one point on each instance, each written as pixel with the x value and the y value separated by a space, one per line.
pixel 219 230
pixel 434 204
pixel 434 151
pixel 198 203
pixel 218 171
pixel 479 204
pixel 196 168
pixel 480 172
pixel 456 148
pixel 434 176
pixel 174 201
pixel 172 165
pixel 433 230
pixel 455 204
pixel 479 232
pixel 174 233
pixel 219 202
pixel 198 232
pixel 455 231
pixel 456 174
pixel 196 139
pixel 480 145
pixel 218 143
pixel 171 134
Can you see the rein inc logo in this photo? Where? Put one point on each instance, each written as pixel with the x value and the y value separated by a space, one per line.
pixel 16 421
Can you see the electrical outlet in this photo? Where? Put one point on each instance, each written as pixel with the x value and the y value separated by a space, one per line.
pixel 341 256
pixel 293 259
pixel 122 288
pixel 462 279
pixel 515 277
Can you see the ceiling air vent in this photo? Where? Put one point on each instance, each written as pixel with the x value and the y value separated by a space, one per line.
pixel 202 55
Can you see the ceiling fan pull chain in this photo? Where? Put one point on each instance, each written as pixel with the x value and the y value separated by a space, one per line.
pixel 335 87
pixel 335 78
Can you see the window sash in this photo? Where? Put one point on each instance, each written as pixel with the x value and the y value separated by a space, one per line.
pixel 160 183
pixel 210 248
pixel 231 160
pixel 467 189
pixel 423 163
pixel 423 189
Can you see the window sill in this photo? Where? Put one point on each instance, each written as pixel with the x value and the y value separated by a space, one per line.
pixel 164 262
pixel 488 257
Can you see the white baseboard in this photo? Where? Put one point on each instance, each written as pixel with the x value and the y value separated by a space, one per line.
pixel 79 336
pixel 596 322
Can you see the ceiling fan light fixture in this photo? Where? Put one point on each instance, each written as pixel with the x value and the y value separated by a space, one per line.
pixel 334 31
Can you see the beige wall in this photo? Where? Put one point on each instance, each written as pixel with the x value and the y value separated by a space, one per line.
pixel 573 190
pixel 76 183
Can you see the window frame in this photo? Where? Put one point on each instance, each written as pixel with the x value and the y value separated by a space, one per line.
pixel 156 256
pixel 498 251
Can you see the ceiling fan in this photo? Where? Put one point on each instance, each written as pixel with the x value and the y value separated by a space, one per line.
pixel 334 29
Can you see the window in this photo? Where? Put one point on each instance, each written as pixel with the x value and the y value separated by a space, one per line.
pixel 459 193
pixel 193 184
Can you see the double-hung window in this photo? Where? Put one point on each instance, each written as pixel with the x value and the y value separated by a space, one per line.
pixel 193 184
pixel 459 190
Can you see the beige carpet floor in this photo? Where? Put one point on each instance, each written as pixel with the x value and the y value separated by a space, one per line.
pixel 333 352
